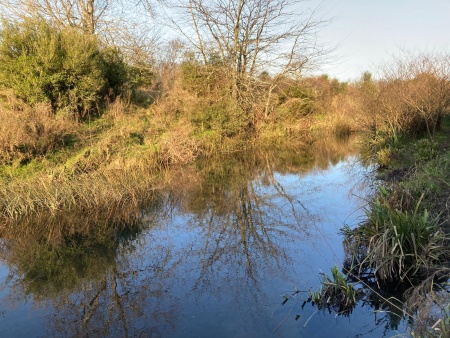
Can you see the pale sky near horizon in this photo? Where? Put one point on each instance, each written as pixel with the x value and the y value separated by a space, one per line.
pixel 369 32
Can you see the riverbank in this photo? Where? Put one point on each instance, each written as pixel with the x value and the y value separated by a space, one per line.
pixel 404 244
pixel 55 165
pixel 419 169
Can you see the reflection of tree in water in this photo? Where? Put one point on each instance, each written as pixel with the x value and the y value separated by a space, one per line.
pixel 108 279
pixel 242 218
pixel 85 281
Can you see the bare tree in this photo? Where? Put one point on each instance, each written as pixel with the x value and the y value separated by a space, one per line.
pixel 86 14
pixel 415 93
pixel 248 37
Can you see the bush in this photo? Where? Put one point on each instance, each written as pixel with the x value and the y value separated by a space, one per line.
pixel 413 96
pixel 65 68
pixel 204 80
pixel 299 101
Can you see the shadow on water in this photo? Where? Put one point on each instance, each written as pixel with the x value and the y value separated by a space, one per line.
pixel 208 254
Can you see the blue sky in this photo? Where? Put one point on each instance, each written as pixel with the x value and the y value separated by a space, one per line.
pixel 368 32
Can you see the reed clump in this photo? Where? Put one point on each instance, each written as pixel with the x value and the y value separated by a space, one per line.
pixel 105 193
pixel 398 245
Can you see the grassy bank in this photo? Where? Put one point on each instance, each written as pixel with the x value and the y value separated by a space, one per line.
pixel 404 244
pixel 54 163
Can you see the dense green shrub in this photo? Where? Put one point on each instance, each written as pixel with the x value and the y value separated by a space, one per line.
pixel 116 72
pixel 65 68
pixel 223 116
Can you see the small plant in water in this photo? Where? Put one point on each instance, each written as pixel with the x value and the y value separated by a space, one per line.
pixel 335 293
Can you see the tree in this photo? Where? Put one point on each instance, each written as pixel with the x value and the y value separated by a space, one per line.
pixel 117 24
pixel 86 14
pixel 415 94
pixel 251 36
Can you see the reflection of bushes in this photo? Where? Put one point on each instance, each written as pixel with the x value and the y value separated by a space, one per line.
pixel 50 266
pixel 50 270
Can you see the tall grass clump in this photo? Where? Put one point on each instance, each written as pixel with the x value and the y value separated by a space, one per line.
pixel 396 245
pixel 105 192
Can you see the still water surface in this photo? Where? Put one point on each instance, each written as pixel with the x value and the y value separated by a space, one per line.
pixel 212 256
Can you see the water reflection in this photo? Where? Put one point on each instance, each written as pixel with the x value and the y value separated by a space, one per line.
pixel 208 255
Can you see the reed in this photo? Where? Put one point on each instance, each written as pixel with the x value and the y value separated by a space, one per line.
pixel 396 245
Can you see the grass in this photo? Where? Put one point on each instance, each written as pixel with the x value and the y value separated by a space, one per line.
pixel 399 245
pixel 61 164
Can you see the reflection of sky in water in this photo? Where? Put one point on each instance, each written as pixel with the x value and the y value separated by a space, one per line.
pixel 21 320
pixel 220 273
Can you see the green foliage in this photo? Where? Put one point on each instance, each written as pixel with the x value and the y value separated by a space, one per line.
pixel 426 149
pixel 204 80
pixel 116 72
pixel 223 116
pixel 214 108
pixel 432 180
pixel 66 68
pixel 299 92
pixel 381 147
pixel 366 77
pixel 338 87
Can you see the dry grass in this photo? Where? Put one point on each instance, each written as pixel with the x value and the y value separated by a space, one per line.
pixel 178 145
pixel 107 170
pixel 27 132
pixel 109 197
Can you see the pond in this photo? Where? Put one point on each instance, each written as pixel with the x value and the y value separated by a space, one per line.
pixel 214 254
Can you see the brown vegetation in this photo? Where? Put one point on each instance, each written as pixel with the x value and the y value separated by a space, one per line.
pixel 27 133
